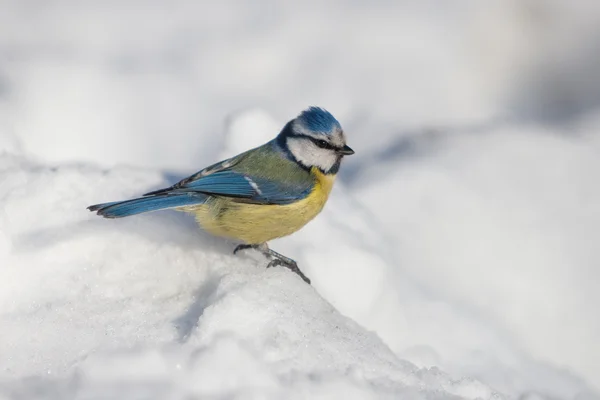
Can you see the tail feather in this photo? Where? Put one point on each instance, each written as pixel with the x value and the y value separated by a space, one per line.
pixel 120 209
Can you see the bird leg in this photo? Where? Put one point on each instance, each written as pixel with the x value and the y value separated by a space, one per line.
pixel 276 258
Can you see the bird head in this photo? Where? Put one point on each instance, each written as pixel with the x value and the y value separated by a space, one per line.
pixel 315 139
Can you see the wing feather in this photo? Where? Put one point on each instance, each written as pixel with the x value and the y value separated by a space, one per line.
pixel 248 178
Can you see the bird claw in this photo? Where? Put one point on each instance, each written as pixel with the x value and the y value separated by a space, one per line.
pixel 243 247
pixel 276 258
pixel 289 265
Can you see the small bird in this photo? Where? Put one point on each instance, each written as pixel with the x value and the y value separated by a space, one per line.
pixel 262 194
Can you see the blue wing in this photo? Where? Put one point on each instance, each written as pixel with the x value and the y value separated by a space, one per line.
pixel 242 186
pixel 259 176
pixel 247 178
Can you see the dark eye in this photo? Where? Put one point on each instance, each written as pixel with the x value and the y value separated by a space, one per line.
pixel 322 144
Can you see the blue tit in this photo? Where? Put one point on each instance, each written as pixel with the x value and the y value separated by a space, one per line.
pixel 262 194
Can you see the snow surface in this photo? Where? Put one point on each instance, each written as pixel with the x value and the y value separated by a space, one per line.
pixel 457 257
pixel 153 307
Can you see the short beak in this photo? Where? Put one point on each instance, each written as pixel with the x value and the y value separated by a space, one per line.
pixel 346 151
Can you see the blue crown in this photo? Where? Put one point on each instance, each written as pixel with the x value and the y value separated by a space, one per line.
pixel 319 120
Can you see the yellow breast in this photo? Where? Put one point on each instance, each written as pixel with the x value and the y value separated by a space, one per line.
pixel 255 223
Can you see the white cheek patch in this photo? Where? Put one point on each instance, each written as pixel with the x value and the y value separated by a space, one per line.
pixel 309 154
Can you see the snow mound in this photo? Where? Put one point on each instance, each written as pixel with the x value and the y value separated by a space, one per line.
pixel 151 307
pixel 460 240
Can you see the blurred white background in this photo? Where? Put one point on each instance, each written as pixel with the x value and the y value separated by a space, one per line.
pixel 176 69
pixel 475 125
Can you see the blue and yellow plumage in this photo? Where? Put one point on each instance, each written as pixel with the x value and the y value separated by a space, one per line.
pixel 262 194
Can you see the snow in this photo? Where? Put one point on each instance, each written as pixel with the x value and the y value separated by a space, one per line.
pixel 456 258
pixel 153 306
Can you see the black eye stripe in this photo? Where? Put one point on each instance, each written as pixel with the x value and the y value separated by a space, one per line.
pixel 322 143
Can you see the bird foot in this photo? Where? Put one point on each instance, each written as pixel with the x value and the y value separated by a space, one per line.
pixel 291 266
pixel 276 258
